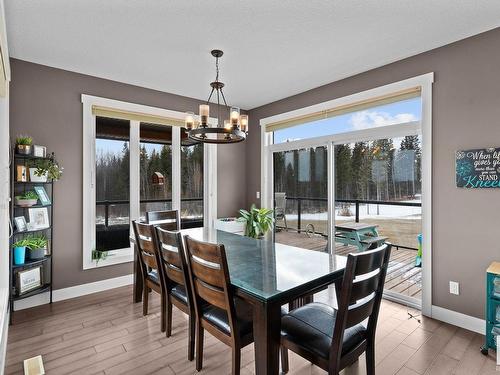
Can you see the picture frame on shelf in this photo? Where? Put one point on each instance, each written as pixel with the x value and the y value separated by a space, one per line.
pixel 21 224
pixel 42 195
pixel 29 279
pixel 21 173
pixel 39 151
pixel 39 218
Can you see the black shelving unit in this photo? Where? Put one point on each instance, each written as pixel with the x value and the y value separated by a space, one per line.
pixel 18 188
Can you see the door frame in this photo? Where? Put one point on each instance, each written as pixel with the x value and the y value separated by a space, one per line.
pixel 423 128
pixel 89 131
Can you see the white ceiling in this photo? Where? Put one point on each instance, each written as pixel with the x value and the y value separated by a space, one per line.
pixel 273 49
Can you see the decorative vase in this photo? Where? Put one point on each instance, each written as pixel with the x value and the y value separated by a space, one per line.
pixel 23 149
pixel 35 254
pixel 35 178
pixel 19 255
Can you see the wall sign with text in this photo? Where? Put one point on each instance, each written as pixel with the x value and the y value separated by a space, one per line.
pixel 478 169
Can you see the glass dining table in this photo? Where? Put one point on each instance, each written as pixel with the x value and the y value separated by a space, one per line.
pixel 268 275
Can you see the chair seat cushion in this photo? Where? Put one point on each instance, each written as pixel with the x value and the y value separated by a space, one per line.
pixel 153 276
pixel 311 327
pixel 218 317
pixel 179 292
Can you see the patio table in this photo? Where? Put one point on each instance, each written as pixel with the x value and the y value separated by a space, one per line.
pixel 267 275
pixel 363 236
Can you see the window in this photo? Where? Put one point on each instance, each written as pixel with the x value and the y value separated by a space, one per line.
pixel 155 168
pixel 192 182
pixel 112 220
pixel 402 111
pixel 135 161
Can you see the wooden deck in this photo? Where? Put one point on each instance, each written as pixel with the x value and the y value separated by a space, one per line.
pixel 402 276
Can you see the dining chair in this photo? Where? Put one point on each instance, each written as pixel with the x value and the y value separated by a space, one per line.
pixel 218 311
pixel 147 245
pixel 168 219
pixel 334 338
pixel 172 264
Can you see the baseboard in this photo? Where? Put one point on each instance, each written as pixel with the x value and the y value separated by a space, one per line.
pixel 75 291
pixel 458 319
pixel 89 288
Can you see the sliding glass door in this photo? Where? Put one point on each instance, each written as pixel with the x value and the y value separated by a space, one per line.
pixel 301 197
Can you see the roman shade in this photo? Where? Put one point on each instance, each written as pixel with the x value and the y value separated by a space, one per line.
pixel 344 109
pixel 135 116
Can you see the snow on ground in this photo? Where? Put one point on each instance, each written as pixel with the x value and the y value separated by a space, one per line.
pixel 369 211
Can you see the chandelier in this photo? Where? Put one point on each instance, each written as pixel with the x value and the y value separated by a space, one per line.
pixel 234 129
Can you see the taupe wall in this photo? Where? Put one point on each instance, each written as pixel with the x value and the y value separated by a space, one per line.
pixel 466 114
pixel 45 103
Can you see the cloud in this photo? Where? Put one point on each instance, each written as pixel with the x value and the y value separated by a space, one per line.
pixel 373 119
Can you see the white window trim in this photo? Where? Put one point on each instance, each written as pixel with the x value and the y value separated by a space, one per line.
pixel 89 127
pixel 424 128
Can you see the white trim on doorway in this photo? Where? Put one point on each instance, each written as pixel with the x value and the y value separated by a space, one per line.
pixel 89 125
pixel 423 128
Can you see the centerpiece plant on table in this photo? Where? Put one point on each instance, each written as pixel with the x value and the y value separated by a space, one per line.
pixel 258 221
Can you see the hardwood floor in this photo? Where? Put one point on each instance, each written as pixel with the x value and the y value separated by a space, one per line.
pixel 402 276
pixel 105 333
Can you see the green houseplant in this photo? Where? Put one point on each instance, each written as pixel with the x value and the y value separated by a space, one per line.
pixel 37 247
pixel 28 199
pixel 20 250
pixel 45 169
pixel 23 144
pixel 258 221
pixel 98 255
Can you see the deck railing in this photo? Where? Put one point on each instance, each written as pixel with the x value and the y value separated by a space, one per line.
pixel 108 203
pixel 357 203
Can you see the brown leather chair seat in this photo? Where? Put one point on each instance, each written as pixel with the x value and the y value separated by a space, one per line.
pixel 313 325
pixel 219 318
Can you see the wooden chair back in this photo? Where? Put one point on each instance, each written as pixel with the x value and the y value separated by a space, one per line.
pixel 168 220
pixel 360 294
pixel 172 258
pixel 147 244
pixel 209 275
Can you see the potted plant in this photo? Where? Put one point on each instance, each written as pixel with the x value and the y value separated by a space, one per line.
pixel 20 250
pixel 28 199
pixel 45 169
pixel 98 255
pixel 258 221
pixel 37 247
pixel 23 144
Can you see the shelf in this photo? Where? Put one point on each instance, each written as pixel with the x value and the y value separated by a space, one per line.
pixel 44 288
pixel 32 183
pixel 31 231
pixel 21 156
pixel 30 263
pixel 34 206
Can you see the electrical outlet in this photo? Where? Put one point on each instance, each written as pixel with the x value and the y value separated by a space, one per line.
pixel 257 195
pixel 454 288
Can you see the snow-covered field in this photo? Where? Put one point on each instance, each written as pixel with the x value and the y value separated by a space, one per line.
pixel 368 211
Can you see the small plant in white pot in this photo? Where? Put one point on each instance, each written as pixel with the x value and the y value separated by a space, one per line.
pixel 28 199
pixel 23 144
pixel 37 247
pixel 45 169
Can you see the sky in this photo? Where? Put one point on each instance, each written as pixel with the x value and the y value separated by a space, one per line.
pixel 400 112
